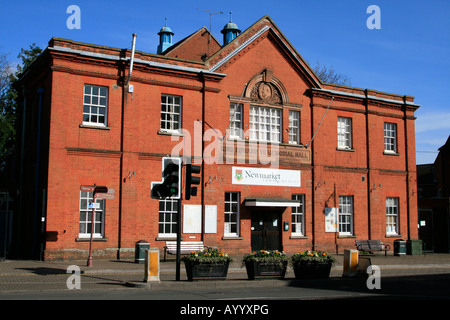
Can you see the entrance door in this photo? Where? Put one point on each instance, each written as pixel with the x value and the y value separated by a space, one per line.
pixel 266 228
pixel 426 229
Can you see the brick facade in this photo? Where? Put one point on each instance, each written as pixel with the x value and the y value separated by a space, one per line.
pixel 125 154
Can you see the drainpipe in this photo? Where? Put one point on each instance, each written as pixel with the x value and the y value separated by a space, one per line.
pixel 312 174
pixel 408 209
pixel 36 190
pixel 366 102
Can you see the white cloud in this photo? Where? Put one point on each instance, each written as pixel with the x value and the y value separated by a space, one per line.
pixel 432 122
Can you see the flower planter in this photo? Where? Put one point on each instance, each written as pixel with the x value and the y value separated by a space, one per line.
pixel 312 270
pixel 265 270
pixel 206 270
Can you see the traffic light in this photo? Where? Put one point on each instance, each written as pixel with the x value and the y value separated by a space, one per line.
pixel 191 180
pixel 170 187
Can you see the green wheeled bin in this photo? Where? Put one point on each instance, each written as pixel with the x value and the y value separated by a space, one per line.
pixel 414 247
pixel 399 247
pixel 141 246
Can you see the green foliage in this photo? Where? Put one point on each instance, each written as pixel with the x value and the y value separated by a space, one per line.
pixel 266 256
pixel 311 256
pixel 8 96
pixel 207 256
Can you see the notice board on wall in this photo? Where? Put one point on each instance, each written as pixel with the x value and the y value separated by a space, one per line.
pixel 331 216
pixel 210 219
pixel 192 218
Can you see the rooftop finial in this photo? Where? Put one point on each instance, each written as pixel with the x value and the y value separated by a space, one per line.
pixel 231 16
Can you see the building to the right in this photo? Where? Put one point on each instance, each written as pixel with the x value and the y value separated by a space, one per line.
pixel 433 186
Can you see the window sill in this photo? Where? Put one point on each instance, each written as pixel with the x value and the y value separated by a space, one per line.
pixel 393 236
pixel 167 238
pixel 170 133
pixel 345 236
pixel 389 153
pixel 345 149
pixel 298 237
pixel 89 239
pixel 94 127
pixel 232 238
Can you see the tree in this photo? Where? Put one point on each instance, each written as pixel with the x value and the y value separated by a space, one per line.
pixel 328 75
pixel 8 98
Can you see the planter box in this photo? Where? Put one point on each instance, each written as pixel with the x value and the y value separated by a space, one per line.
pixel 312 270
pixel 263 270
pixel 206 271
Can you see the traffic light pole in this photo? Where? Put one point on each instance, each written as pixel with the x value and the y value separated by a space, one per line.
pixel 178 239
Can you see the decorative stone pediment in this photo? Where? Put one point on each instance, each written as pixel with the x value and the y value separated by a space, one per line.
pixel 265 88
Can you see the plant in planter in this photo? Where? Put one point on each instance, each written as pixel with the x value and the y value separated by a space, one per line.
pixel 209 264
pixel 312 264
pixel 265 264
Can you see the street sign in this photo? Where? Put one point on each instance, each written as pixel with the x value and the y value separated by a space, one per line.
pixel 94 205
pixel 87 188
pixel 104 196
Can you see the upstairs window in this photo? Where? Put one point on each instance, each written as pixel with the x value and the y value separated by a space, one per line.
pixel 171 113
pixel 294 127
pixel 236 121
pixel 344 131
pixel 95 105
pixel 265 124
pixel 390 137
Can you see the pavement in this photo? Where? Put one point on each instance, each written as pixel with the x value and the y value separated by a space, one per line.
pixel 33 275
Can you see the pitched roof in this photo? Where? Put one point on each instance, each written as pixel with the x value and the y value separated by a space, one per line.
pixel 195 47
pixel 263 26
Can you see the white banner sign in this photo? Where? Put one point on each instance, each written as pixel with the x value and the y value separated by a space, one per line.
pixel 266 177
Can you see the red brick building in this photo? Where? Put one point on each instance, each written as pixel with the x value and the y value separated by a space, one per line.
pixel 288 162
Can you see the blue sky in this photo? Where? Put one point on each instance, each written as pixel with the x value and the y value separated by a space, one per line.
pixel 408 55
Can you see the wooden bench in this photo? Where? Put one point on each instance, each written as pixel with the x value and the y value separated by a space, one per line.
pixel 186 247
pixel 371 246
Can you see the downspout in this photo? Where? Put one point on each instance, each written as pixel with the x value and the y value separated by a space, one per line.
pixel 312 175
pixel 202 178
pixel 366 102
pixel 408 209
pixel 36 188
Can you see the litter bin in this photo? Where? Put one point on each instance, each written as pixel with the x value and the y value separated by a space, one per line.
pixel 414 247
pixel 141 246
pixel 399 247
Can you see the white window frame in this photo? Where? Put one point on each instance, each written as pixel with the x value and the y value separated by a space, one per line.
pixel 345 215
pixel 344 131
pixel 231 214
pixel 171 111
pixel 392 215
pixel 167 218
pixel 236 131
pixel 298 216
pixel 390 137
pixel 95 105
pixel 85 222
pixel 265 124
pixel 294 127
